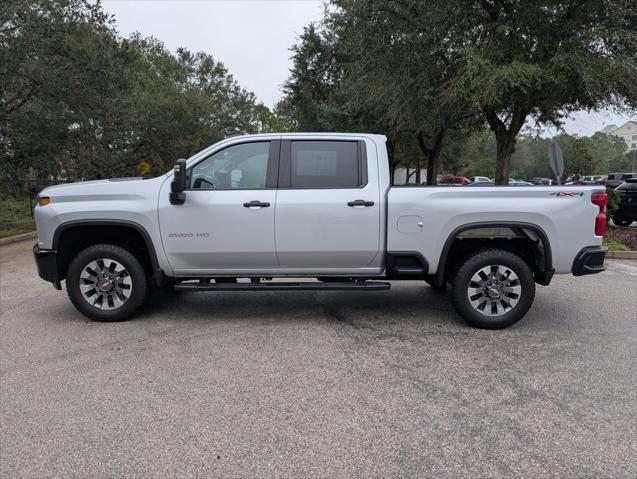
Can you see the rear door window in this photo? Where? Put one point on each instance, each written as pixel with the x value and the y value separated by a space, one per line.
pixel 324 164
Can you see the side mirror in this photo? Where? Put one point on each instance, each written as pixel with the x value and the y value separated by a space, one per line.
pixel 178 185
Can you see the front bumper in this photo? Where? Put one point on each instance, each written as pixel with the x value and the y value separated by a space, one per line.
pixel 590 261
pixel 46 262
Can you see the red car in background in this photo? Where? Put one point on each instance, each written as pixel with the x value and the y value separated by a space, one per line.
pixel 450 180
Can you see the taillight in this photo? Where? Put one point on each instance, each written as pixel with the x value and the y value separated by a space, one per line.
pixel 600 199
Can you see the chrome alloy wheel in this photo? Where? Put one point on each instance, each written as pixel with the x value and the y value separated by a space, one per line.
pixel 494 290
pixel 105 284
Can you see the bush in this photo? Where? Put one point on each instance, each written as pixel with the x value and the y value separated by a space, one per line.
pixel 15 217
pixel 613 203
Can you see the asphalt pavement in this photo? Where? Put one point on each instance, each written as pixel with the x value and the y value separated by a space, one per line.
pixel 318 384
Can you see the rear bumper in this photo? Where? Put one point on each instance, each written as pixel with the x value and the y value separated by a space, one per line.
pixel 590 261
pixel 46 262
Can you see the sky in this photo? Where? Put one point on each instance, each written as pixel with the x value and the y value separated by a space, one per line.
pixel 252 39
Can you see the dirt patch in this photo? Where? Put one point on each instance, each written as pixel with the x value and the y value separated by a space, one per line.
pixel 626 236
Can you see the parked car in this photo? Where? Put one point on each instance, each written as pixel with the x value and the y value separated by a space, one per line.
pixel 602 181
pixel 482 183
pixel 256 207
pixel 592 178
pixel 580 182
pixel 616 179
pixel 537 180
pixel 627 211
pixel 450 180
pixel 514 182
pixel 480 179
pixel 587 180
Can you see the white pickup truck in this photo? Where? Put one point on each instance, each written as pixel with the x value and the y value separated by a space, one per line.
pixel 251 210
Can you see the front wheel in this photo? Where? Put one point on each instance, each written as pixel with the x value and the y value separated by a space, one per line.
pixel 493 289
pixel 106 283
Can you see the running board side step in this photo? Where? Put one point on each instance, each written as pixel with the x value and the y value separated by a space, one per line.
pixel 281 286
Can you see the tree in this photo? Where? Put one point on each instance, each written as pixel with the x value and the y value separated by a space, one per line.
pixel 386 48
pixel 608 153
pixel 77 101
pixel 370 67
pixel 319 95
pixel 541 60
pixel 577 157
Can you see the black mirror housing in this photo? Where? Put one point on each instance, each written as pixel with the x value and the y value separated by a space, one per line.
pixel 178 185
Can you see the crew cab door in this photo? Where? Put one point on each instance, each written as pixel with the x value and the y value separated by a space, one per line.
pixel 226 224
pixel 328 207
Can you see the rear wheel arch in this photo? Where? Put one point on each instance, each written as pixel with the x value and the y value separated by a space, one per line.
pixel 541 262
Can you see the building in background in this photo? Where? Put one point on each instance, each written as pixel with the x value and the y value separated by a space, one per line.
pixel 628 131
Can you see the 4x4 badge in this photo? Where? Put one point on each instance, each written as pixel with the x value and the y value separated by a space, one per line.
pixel 570 194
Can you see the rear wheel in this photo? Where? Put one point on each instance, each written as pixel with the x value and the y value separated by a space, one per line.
pixel 106 283
pixel 493 289
pixel 619 221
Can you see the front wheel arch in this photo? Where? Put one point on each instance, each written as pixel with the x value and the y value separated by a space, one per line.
pixel 73 236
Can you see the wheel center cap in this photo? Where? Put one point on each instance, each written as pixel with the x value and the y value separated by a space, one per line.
pixel 105 285
pixel 494 292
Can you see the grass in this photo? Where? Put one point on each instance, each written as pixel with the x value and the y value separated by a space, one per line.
pixel 614 245
pixel 15 217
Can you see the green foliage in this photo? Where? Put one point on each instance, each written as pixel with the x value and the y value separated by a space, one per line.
pixel 15 217
pixel 437 69
pixel 79 102
pixel 473 154
pixel 369 68
pixel 542 59
pixel 614 245
pixel 613 203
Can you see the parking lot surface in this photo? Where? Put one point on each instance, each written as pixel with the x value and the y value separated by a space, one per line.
pixel 328 384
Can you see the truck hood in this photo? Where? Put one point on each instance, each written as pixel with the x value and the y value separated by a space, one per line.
pixel 119 188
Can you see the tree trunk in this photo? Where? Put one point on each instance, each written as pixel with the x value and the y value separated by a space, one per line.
pixel 504 150
pixel 431 146
pixel 418 167
pixel 505 137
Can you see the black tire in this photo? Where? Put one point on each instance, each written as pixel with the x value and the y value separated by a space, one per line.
pixel 463 285
pixel 619 221
pixel 430 281
pixel 138 282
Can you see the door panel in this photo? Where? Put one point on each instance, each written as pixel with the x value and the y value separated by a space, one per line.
pixel 213 232
pixel 226 224
pixel 316 227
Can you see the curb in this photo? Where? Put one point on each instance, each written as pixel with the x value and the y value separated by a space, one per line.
pixel 622 254
pixel 17 238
